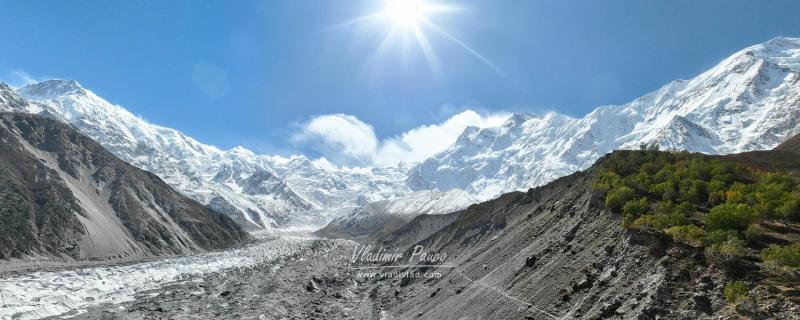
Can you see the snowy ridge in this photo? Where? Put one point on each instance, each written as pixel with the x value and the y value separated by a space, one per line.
pixel 749 101
pixel 257 190
pixel 10 101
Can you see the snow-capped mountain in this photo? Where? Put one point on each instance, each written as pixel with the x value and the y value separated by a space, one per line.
pixel 257 190
pixel 749 101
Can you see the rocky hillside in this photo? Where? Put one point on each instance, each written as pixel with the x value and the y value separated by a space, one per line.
pixel 791 145
pixel 550 253
pixel 559 251
pixel 63 195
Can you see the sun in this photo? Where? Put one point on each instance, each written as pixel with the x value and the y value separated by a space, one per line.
pixel 414 19
pixel 406 13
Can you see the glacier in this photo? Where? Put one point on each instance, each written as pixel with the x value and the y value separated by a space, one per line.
pixel 70 292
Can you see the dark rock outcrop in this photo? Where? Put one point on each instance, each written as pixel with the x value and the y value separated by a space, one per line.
pixel 791 145
pixel 64 195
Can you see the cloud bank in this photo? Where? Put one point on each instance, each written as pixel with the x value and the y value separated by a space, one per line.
pixel 348 141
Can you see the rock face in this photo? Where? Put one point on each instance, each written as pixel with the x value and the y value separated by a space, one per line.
pixel 63 195
pixel 749 101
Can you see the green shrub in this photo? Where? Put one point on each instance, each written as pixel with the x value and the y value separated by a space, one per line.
pixel 716 198
pixel 717 186
pixel 684 209
pixel 691 235
pixel 782 256
pixel 649 168
pixel 694 191
pixel 735 291
pixel 658 221
pixel 627 221
pixel 753 234
pixel 632 210
pixel 663 190
pixel 789 210
pixel 778 181
pixel 737 193
pixel 720 236
pixel 731 217
pixel 642 222
pixel 618 196
pixel 635 207
pixel 726 252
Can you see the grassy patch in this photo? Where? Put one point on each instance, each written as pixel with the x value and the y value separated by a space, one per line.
pixel 735 291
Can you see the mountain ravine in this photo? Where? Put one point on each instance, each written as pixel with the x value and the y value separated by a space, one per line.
pixel 62 195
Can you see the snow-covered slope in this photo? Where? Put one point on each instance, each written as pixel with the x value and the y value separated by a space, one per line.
pixel 749 101
pixel 257 190
pixel 10 101
pixel 386 215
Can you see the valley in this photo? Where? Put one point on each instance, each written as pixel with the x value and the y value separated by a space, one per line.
pixel 681 204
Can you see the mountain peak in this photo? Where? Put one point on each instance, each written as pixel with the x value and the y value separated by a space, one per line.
pixel 783 41
pixel 51 89
pixel 749 101
pixel 240 150
pixel 466 135
pixel 4 86
pixel 518 119
pixel 782 51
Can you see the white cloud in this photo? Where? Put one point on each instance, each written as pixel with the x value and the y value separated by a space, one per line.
pixel 340 137
pixel 20 78
pixel 348 141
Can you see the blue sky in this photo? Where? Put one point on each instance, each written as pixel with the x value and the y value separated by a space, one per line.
pixel 249 72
